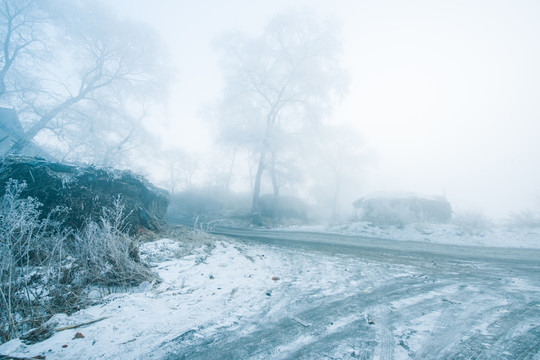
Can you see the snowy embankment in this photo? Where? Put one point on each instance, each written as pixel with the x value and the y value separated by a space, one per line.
pixel 204 289
pixel 496 236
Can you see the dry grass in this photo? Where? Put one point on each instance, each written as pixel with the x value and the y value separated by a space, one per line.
pixel 45 267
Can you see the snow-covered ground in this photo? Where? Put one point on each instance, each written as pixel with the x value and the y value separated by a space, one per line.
pixel 209 287
pixel 224 298
pixel 496 236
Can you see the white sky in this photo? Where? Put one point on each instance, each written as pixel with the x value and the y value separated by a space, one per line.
pixel 445 92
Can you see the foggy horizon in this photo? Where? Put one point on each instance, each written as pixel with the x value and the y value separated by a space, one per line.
pixel 426 97
pixel 442 94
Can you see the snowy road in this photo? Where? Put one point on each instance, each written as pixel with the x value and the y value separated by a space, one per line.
pixel 385 300
pixel 294 295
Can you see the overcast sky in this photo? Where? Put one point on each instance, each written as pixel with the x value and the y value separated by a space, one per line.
pixel 446 93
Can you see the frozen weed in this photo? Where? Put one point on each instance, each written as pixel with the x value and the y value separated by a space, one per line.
pixel 45 266
pixel 106 255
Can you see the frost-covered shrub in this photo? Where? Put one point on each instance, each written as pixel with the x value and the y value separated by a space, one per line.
pixel 524 219
pixel 105 254
pixel 45 266
pixel 399 209
pixel 385 214
pixel 286 207
pixel 471 222
pixel 207 202
pixel 85 190
pixel 31 251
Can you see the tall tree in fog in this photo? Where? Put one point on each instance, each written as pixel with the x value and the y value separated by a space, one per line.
pixel 112 130
pixel 96 72
pixel 278 84
pixel 181 168
pixel 337 166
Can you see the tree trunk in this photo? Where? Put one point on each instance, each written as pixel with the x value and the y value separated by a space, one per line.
pixel 42 123
pixel 20 144
pixel 230 172
pixel 255 206
pixel 275 186
pixel 250 169
pixel 2 87
pixel 8 60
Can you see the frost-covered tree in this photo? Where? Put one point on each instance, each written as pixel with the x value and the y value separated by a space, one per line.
pixel 80 65
pixel 181 169
pixel 276 85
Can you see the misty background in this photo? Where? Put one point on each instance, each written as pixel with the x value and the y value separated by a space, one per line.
pixel 429 97
pixel 444 94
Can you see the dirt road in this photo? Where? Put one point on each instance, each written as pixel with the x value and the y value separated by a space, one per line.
pixel 394 300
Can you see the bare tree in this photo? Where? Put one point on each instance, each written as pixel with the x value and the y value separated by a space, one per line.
pixel 181 168
pixel 108 133
pixel 95 62
pixel 277 84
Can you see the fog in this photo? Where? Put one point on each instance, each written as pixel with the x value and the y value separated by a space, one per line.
pixel 341 179
pixel 443 93
pixel 433 97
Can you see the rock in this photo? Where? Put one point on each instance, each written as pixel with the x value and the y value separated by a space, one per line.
pixel 86 190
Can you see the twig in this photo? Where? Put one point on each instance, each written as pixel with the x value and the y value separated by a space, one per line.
pixel 79 325
pixel 451 302
pixel 303 323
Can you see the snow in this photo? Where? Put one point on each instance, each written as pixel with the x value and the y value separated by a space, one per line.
pixel 204 288
pixel 496 236
pixel 211 285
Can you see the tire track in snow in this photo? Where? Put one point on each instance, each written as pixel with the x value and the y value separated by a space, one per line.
pixel 320 315
pixel 430 312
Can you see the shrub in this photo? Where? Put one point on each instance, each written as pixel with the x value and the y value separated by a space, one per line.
pixel 105 254
pixel 384 214
pixel 286 207
pixel 45 267
pixel 399 209
pixel 30 254
pixel 204 205
pixel 471 222
pixel 85 190
pixel 526 219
